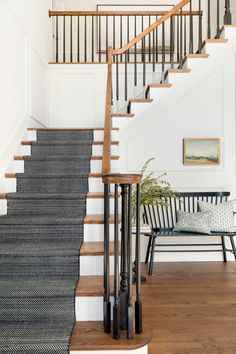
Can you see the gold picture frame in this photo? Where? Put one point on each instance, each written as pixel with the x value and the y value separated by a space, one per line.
pixel 201 151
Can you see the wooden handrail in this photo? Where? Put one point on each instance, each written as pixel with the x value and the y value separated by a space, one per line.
pixel 151 28
pixel 106 162
pixel 118 13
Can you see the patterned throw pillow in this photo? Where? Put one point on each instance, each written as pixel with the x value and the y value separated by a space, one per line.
pixel 194 222
pixel 222 215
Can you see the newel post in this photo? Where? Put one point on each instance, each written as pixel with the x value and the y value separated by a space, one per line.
pixel 228 15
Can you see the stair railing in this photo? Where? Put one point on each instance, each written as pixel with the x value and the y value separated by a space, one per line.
pixel 182 41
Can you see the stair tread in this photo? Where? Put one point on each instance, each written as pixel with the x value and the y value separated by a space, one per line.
pixel 97 219
pixel 39 157
pixel 179 71
pixel 89 335
pixel 50 175
pixel 141 100
pixel 67 129
pixel 95 142
pixel 122 115
pixel 160 85
pixel 91 286
pixel 95 248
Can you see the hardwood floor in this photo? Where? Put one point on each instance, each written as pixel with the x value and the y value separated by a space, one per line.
pixel 191 308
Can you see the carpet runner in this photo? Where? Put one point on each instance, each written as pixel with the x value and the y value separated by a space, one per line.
pixel 40 240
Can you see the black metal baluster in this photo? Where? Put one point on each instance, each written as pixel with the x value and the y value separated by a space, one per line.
pixel 64 39
pixel 209 20
pixel 126 76
pixel 107 303
pixel 153 51
pixel 85 39
pixel 163 50
pixel 57 39
pixel 181 38
pixel 157 53
pixel 191 28
pixel 71 39
pixel 92 39
pixel 99 39
pixel 144 60
pixel 130 329
pixel 114 35
pixel 135 52
pixel 78 40
pixel 128 35
pixel 106 38
pixel 138 303
pixel 121 37
pixel 116 307
pixel 171 42
pixel 149 40
pixel 124 258
pixel 117 78
pixel 178 54
pixel 218 19
pixel 228 15
pixel 200 28
pixel 185 35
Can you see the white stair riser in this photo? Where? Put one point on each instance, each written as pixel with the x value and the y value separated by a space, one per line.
pixel 213 48
pixel 93 265
pixel 94 233
pixel 193 63
pixel 3 206
pixel 176 78
pixel 121 122
pixel 90 308
pixel 138 108
pixel 156 92
pixel 143 350
pixel 98 150
pixel 10 185
pixel 31 135
pixel 96 206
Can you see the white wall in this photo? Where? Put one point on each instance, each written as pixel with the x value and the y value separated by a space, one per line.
pixel 25 50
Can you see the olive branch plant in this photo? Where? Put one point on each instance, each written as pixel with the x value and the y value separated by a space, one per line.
pixel 153 190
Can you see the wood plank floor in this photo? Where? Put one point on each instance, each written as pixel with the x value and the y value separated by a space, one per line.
pixel 191 308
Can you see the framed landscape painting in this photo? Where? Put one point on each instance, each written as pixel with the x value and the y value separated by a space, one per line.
pixel 201 151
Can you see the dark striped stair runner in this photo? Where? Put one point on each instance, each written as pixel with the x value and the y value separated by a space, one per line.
pixel 40 240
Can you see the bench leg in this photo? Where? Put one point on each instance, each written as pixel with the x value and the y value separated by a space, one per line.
pixel 148 249
pixel 152 256
pixel 223 247
pixel 233 246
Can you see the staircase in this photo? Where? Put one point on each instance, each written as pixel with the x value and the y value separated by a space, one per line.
pixel 55 288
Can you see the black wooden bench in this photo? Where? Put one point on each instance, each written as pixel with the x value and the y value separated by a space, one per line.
pixel 162 220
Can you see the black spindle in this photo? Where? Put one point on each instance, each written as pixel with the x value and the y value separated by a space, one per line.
pixel 85 39
pixel 185 35
pixel 218 19
pixel 126 76
pixel 135 52
pixel 64 39
pixel 181 38
pixel 138 303
pixel 92 39
pixel 57 39
pixel 99 39
pixel 117 78
pixel 209 20
pixel 149 40
pixel 116 308
pixel 178 54
pixel 171 42
pixel 121 37
pixel 106 38
pixel 71 39
pixel 163 49
pixel 128 34
pixel 114 35
pixel 200 28
pixel 191 28
pixel 78 40
pixel 228 15
pixel 107 303
pixel 130 329
pixel 153 51
pixel 157 42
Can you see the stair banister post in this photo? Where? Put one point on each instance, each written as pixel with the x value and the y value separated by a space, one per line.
pixel 228 15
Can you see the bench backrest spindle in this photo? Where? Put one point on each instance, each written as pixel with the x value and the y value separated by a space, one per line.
pixel 165 217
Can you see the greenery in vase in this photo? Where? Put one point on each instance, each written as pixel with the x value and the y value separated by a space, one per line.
pixel 153 190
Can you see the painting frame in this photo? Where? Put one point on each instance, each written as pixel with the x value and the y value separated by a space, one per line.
pixel 210 157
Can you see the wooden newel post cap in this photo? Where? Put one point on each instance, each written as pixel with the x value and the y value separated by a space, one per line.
pixel 119 178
